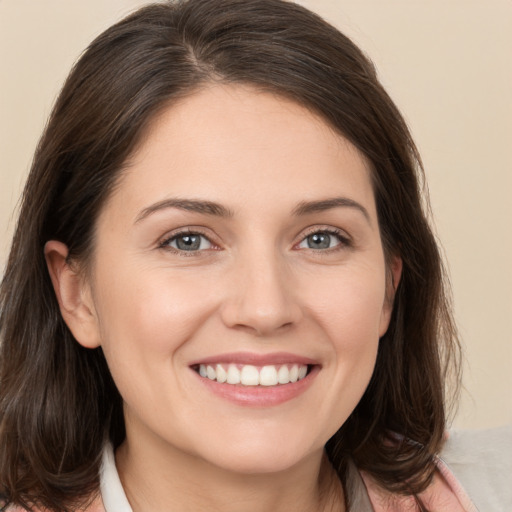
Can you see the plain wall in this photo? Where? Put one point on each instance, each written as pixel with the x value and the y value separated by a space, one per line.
pixel 446 63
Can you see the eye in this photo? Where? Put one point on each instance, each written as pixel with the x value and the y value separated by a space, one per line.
pixel 324 239
pixel 188 241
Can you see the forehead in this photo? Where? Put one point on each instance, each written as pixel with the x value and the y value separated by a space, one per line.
pixel 244 147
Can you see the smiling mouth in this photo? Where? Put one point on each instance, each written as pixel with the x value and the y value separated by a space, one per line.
pixel 250 375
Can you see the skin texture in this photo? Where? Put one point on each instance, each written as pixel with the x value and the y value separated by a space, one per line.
pixel 254 286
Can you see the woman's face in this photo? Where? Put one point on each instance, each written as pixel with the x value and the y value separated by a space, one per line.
pixel 242 242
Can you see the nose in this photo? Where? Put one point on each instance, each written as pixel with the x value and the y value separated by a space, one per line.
pixel 262 298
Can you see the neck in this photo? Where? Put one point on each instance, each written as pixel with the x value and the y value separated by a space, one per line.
pixel 166 479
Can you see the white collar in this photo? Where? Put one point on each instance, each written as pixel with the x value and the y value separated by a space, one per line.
pixel 112 492
pixel 115 500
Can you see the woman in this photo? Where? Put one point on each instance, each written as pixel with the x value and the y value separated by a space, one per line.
pixel 223 274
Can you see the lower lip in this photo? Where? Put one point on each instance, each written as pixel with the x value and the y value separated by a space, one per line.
pixel 260 396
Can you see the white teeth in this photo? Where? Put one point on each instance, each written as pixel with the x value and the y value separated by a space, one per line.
pixel 222 375
pixel 268 376
pixel 283 375
pixel 210 373
pixel 233 375
pixel 249 375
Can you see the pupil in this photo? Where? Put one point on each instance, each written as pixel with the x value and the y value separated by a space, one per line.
pixel 188 242
pixel 319 241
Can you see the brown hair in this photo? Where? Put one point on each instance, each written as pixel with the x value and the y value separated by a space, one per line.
pixel 58 403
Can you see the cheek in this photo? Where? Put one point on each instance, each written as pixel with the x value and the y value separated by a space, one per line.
pixel 353 328
pixel 350 309
pixel 350 316
pixel 154 309
pixel 145 317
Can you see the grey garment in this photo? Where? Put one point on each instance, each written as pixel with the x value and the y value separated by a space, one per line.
pixel 114 497
pixel 480 459
pixel 355 489
pixel 482 462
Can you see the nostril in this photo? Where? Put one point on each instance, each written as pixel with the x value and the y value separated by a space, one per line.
pixel 261 307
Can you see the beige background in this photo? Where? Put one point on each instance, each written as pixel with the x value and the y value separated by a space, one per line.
pixel 447 64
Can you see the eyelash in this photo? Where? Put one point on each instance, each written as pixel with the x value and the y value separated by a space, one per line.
pixel 165 243
pixel 344 241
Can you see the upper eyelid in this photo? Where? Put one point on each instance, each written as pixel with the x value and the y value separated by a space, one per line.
pixel 345 240
pixel 168 237
pixel 324 229
pixel 199 230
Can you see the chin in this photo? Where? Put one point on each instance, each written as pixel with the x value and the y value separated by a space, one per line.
pixel 262 456
pixel 254 464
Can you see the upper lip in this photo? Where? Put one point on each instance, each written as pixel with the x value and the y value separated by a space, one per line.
pixel 255 359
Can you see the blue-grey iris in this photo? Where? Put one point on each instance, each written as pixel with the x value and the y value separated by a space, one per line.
pixel 188 242
pixel 319 241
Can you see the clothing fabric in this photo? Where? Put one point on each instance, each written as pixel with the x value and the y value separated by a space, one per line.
pixel 112 492
pixel 482 461
pixel 445 494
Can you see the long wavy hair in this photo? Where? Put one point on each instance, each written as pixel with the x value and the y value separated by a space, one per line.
pixel 58 402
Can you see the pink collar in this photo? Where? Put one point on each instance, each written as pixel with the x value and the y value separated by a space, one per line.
pixel 444 494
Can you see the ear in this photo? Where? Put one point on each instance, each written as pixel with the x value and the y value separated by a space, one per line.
pixel 73 294
pixel 394 273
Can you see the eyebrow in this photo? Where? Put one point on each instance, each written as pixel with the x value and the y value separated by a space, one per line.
pixel 307 207
pixel 216 209
pixel 191 205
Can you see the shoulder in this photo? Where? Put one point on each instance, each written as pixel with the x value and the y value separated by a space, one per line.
pixel 481 460
pixel 473 472
pixel 444 494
